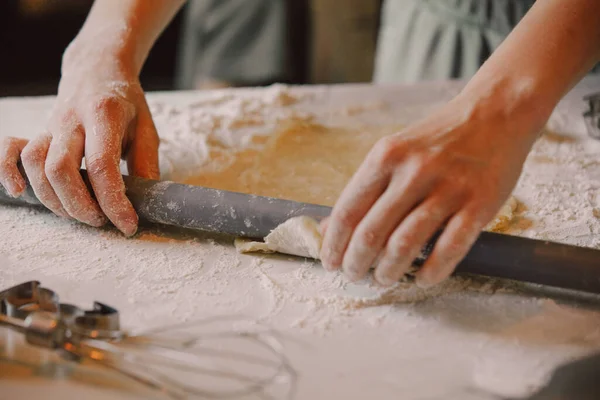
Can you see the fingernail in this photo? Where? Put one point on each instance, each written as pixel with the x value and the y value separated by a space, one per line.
pixel 98 221
pixel 14 190
pixel 326 257
pixel 328 266
pixel 155 174
pixel 384 279
pixel 129 229
pixel 351 277
pixel 62 214
pixel 352 273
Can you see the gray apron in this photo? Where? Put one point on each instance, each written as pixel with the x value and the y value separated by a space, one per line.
pixel 441 39
pixel 244 41
pixel 236 41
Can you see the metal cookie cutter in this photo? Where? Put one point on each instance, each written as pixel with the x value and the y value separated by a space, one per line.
pixel 37 313
pixel 592 116
pixel 200 359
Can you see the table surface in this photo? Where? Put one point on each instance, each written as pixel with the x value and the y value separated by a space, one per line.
pixel 471 339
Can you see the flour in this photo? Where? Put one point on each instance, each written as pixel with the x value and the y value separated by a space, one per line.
pixel 223 122
pixel 483 333
pixel 563 180
pixel 555 209
pixel 191 135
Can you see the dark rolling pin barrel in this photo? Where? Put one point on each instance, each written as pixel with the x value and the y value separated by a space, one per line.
pixel 210 210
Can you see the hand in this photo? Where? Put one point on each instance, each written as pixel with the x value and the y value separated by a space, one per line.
pixel 100 114
pixel 452 171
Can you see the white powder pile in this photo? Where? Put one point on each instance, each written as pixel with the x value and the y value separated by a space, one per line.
pixel 190 134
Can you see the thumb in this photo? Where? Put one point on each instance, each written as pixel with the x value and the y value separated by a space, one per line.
pixel 142 154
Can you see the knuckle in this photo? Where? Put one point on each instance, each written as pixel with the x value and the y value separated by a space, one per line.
pixel 434 214
pixel 107 103
pixel 399 247
pixel 422 165
pixel 346 218
pixel 112 105
pixel 56 169
pixel 387 151
pixel 368 238
pixel 32 156
pixel 97 166
pixel 456 249
pixel 68 117
pixel 414 170
pixel 460 182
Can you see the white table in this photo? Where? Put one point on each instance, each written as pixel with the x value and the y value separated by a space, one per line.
pixel 356 343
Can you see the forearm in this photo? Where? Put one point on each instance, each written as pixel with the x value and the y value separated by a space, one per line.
pixel 548 52
pixel 124 30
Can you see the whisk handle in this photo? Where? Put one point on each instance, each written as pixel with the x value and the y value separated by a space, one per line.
pixel 15 324
pixel 41 328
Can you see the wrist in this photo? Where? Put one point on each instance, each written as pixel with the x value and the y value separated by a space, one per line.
pixel 111 50
pixel 518 103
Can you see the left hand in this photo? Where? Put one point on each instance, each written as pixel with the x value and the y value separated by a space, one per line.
pixel 452 171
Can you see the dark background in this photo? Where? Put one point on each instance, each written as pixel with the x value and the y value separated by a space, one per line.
pixel 330 41
pixel 34 34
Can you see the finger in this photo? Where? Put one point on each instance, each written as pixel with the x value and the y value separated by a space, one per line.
pixel 323 226
pixel 142 151
pixel 357 198
pixel 105 130
pixel 10 176
pixel 411 236
pixel 452 246
pixel 365 187
pixel 33 158
pixel 372 233
pixel 62 169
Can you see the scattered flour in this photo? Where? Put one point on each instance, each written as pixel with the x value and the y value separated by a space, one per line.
pixel 192 136
pixel 562 181
pixel 488 330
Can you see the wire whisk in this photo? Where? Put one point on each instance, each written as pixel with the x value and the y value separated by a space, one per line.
pixel 224 357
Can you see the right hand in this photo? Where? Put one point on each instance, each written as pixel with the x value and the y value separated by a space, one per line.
pixel 100 114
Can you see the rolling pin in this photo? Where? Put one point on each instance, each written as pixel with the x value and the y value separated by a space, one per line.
pixel 244 215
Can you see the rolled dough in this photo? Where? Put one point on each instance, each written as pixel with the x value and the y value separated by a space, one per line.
pixel 297 236
pixel 307 163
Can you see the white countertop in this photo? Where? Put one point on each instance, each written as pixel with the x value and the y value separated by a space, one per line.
pixel 350 341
